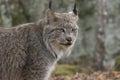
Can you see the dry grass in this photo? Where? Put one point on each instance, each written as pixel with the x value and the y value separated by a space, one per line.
pixel 111 75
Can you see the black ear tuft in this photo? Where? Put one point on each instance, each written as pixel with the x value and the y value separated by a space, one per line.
pixel 75 10
pixel 50 4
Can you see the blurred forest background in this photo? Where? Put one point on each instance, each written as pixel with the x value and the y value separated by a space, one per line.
pixel 98 42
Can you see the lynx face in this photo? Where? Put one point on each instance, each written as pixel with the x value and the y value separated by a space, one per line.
pixel 60 32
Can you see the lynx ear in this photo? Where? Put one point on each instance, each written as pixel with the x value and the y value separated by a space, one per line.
pixel 50 14
pixel 74 9
pixel 50 4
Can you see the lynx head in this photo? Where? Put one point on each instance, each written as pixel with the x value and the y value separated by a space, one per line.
pixel 60 31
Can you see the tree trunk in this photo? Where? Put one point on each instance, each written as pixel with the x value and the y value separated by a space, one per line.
pixel 5 13
pixel 100 36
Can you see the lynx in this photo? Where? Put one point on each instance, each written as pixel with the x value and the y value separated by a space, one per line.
pixel 30 51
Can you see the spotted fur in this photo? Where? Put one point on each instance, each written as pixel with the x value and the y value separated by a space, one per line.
pixel 30 51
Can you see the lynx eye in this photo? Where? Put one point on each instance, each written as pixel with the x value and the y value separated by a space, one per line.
pixel 62 30
pixel 74 30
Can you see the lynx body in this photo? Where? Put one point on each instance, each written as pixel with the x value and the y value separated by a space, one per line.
pixel 30 51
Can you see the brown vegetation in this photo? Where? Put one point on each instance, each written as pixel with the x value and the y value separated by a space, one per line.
pixel 111 75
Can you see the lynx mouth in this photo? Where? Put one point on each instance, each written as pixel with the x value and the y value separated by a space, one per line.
pixel 66 44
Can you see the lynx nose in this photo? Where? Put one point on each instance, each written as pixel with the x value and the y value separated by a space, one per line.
pixel 69 39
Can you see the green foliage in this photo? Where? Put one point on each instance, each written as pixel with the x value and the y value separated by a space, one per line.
pixel 86 8
pixel 17 19
pixel 65 70
pixel 0 18
pixel 117 64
